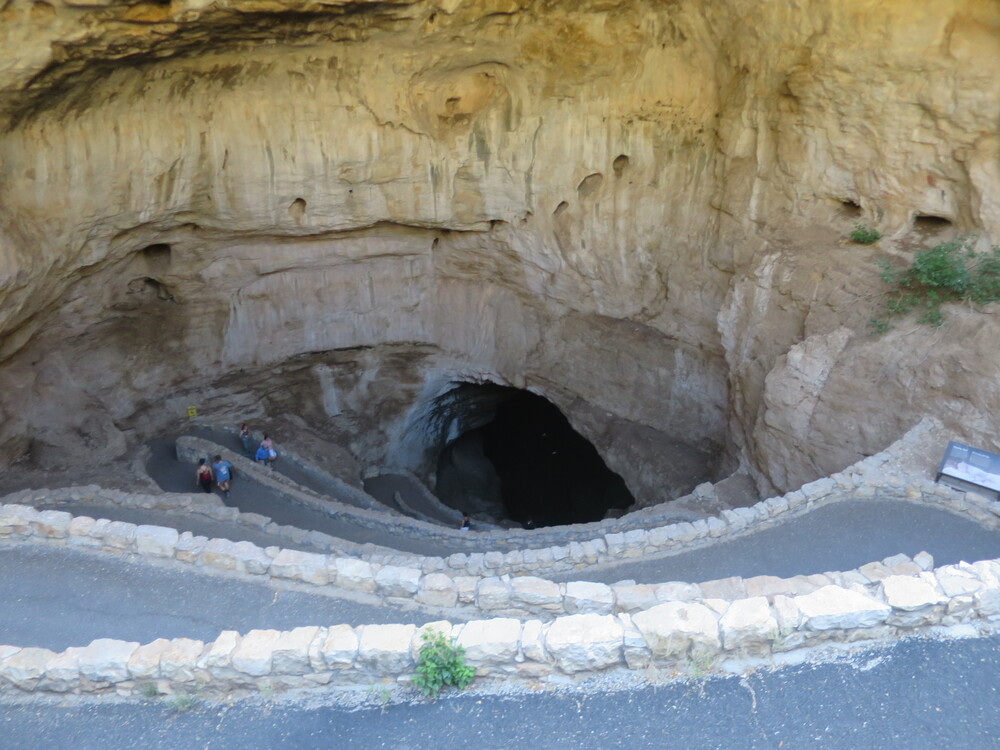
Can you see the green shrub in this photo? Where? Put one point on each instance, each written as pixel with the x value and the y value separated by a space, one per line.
pixel 864 234
pixel 441 663
pixel 949 272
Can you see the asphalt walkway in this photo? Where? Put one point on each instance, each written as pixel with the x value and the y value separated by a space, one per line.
pixel 251 497
pixel 836 537
pixel 55 598
pixel 915 695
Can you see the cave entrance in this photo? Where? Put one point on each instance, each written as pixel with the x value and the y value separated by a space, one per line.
pixel 517 458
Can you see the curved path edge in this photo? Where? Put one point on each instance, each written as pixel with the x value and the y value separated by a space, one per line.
pixel 695 627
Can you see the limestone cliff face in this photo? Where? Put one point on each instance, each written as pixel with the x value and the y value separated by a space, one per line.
pixel 635 208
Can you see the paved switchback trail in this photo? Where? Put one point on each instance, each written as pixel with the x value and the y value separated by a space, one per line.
pixel 55 598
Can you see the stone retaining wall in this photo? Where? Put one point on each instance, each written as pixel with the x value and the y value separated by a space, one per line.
pixel 645 533
pixel 434 587
pixel 576 627
pixel 204 504
pixel 681 636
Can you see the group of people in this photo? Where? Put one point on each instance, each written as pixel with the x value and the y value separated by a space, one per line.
pixel 264 453
pixel 220 472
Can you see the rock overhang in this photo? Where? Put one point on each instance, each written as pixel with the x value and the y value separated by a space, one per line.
pixel 521 189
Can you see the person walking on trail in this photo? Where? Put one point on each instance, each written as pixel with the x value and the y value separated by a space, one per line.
pixel 203 475
pixel 265 451
pixel 223 474
pixel 246 439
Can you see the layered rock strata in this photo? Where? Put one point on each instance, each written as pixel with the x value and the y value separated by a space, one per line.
pixel 636 209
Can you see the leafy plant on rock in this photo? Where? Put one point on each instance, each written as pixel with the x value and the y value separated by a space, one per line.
pixel 950 272
pixel 864 234
pixel 441 663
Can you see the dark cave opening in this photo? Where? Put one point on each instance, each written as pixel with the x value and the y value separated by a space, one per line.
pixel 519 459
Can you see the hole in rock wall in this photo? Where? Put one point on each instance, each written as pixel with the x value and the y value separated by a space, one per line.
pixel 619 164
pixel 516 457
pixel 590 185
pixel 850 209
pixel 298 209
pixel 930 225
pixel 157 256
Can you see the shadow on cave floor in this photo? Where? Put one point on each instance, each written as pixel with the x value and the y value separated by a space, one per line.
pixel 836 537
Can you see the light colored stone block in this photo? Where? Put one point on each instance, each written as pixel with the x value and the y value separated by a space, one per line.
pixel 219 654
pixel 955 581
pixel 394 580
pixel 634 597
pixel 535 593
pixel 291 651
pixel 532 642
pixel 156 541
pixel 144 664
pixel 724 588
pixel 437 590
pixel 675 629
pixel 106 660
pixel 26 667
pixel 832 607
pixel 489 642
pixel 63 671
pixel 909 593
pixel 253 655
pixel 582 643
pixel 786 614
pixel 118 535
pixel 583 597
pixel 677 591
pixel 386 648
pixel 354 575
pixel 493 593
pixel 748 625
pixel 222 555
pixel 52 524
pixel 189 547
pixel 988 602
pixel 340 648
pixel 766 586
pixel 875 571
pixel 466 587
pixel 635 650
pixel 294 565
pixel 179 659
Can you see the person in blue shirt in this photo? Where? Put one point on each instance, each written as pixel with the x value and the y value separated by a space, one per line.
pixel 263 455
pixel 223 474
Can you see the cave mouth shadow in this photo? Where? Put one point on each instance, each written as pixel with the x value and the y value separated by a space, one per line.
pixel 517 458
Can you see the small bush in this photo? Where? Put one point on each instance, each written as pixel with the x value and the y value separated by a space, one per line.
pixel 864 234
pixel 181 703
pixel 149 690
pixel 949 272
pixel 441 663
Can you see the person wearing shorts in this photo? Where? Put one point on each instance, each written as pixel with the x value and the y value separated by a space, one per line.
pixel 223 474
pixel 203 474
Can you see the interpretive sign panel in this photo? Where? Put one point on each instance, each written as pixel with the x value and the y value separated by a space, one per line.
pixel 970 465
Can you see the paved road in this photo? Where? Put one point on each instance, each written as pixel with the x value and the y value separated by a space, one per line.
pixel 917 695
pixel 836 537
pixel 385 486
pixel 56 598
